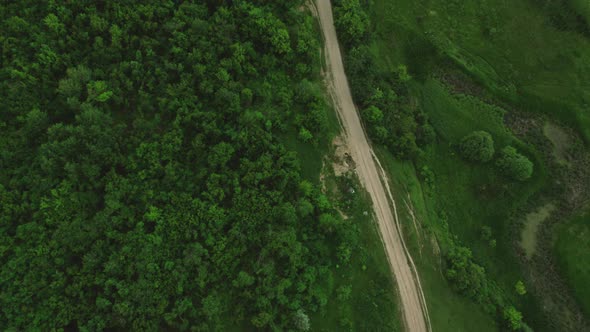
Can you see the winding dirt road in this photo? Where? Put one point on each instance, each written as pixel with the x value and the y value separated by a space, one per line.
pixel 373 178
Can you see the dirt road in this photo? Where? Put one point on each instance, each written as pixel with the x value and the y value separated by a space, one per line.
pixel 372 177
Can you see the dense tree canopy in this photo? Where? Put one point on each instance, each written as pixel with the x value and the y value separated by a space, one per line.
pixel 514 164
pixel 352 22
pixel 143 184
pixel 391 118
pixel 477 146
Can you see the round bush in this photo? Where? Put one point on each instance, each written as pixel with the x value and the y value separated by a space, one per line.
pixel 477 146
pixel 514 165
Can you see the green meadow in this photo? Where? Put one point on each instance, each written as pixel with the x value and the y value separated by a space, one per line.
pixel 519 71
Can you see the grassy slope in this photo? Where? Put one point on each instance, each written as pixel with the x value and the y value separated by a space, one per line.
pixel 512 47
pixel 472 196
pixel 448 310
pixel 573 253
pixel 524 61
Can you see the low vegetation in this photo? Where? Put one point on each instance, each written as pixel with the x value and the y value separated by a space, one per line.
pixel 482 95
pixel 573 252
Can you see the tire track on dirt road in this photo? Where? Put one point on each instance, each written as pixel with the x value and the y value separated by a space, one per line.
pixel 373 178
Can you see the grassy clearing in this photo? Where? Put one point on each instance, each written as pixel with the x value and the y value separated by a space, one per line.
pixel 573 255
pixel 524 52
pixel 473 196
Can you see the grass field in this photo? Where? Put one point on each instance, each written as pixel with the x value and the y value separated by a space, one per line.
pixel 521 53
pixel 448 310
pixel 471 196
pixel 519 70
pixel 533 54
pixel 573 254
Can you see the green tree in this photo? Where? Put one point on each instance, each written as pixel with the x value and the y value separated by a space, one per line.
pixel 344 292
pixel 466 276
pixel 477 146
pixel 513 317
pixel 426 135
pixel 262 319
pixel 305 135
pixel 301 320
pixel 514 165
pixel 381 134
pixel 74 82
pixel 402 72
pixel 373 115
pixel 351 21
pixel 328 222
pixel 243 280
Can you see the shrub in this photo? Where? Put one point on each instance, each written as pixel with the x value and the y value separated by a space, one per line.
pixel 351 21
pixel 520 288
pixel 465 275
pixel 514 165
pixel 301 320
pixel 477 146
pixel 513 317
pixel 305 135
pixel 373 115
pixel 426 135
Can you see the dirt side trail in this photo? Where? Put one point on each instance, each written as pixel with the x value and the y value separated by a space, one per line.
pixel 373 179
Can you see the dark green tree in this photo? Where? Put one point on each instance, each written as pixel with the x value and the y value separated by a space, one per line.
pixel 351 21
pixel 513 317
pixel 514 165
pixel 477 147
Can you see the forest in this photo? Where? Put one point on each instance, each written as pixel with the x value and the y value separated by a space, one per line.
pixel 150 179
pixel 166 165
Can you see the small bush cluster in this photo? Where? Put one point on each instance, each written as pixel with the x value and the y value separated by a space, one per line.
pixel 479 147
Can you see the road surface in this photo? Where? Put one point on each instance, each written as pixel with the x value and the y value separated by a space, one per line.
pixel 373 178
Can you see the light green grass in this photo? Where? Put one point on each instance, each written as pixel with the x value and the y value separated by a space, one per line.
pixel 448 310
pixel 476 195
pixel 472 196
pixel 511 47
pixel 572 249
pixel 521 54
